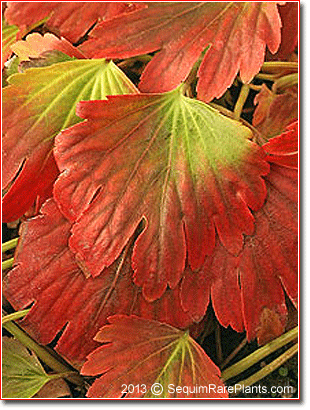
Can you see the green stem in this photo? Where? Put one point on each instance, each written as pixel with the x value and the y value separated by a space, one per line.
pixel 260 354
pixel 269 368
pixel 6 246
pixel 267 77
pixel 8 263
pixel 244 92
pixel 284 82
pixel 255 87
pixel 14 316
pixel 272 66
pixel 60 375
pixel 43 354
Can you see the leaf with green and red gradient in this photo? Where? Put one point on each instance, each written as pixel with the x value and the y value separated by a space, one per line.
pixel 37 105
pixel 8 39
pixel 46 273
pixel 235 32
pixel 173 161
pixel 283 149
pixel 139 352
pixel 35 44
pixel 249 288
pixel 275 111
pixel 71 20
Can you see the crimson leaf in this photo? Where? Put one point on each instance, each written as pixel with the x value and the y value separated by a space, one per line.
pixel 187 170
pixel 283 149
pixel 235 32
pixel 266 265
pixel 69 19
pixel 46 272
pixel 156 357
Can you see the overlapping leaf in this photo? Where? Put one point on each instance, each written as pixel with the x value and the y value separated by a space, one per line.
pixel 145 353
pixel 236 34
pixel 35 44
pixel 22 373
pixel 173 161
pixel 275 111
pixel 69 19
pixel 247 289
pixel 46 272
pixel 8 38
pixel 37 105
pixel 289 31
pixel 283 149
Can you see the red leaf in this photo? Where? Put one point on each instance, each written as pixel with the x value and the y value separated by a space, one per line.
pixel 142 352
pixel 236 32
pixel 69 19
pixel 243 287
pixel 24 191
pixel 275 111
pixel 289 32
pixel 186 170
pixel 46 272
pixel 283 149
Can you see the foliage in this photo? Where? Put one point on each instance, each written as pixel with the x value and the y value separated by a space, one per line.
pixel 150 155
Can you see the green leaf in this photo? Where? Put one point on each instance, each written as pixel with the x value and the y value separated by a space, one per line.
pixel 22 373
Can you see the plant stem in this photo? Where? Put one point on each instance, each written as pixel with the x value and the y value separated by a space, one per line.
pixel 244 92
pixel 284 82
pixel 14 316
pixel 234 352
pixel 6 246
pixel 255 87
pixel 8 263
pixel 272 66
pixel 43 354
pixel 259 354
pixel 267 77
pixel 269 368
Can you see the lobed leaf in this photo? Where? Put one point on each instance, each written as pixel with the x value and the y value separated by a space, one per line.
pixel 235 32
pixel 142 352
pixel 289 13
pixel 35 44
pixel 170 160
pixel 46 273
pixel 22 373
pixel 275 111
pixel 266 266
pixel 9 33
pixel 37 105
pixel 283 149
pixel 71 20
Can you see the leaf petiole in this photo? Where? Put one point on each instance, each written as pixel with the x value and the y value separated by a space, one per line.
pixel 7 264
pixel 269 368
pixel 6 246
pixel 14 316
pixel 44 354
pixel 245 89
pixel 259 354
